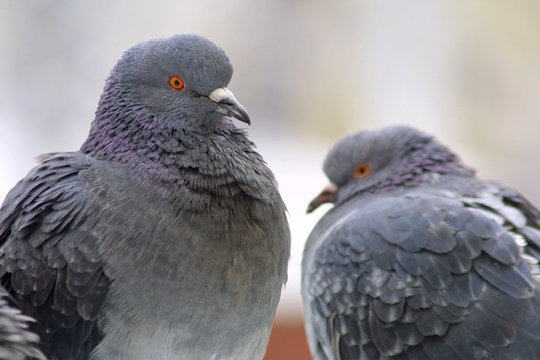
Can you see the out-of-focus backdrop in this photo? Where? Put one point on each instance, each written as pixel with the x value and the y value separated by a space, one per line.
pixel 307 71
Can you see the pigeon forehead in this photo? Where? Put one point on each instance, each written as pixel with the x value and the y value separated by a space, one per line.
pixel 199 62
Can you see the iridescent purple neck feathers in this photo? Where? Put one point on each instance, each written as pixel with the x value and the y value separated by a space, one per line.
pixel 419 163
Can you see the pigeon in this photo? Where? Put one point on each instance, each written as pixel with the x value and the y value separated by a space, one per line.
pixel 164 236
pixel 419 259
pixel 17 342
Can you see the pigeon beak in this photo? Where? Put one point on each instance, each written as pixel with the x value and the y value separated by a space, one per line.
pixel 229 105
pixel 327 195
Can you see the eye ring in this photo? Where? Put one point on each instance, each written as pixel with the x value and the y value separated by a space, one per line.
pixel 176 82
pixel 361 170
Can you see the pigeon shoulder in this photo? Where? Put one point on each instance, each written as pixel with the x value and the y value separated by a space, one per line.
pixel 56 174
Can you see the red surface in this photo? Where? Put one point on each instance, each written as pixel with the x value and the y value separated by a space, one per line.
pixel 288 342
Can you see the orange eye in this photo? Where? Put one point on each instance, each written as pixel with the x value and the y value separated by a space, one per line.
pixel 361 170
pixel 176 82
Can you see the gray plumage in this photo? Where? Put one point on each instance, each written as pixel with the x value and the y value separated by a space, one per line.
pixel 165 236
pixel 17 342
pixel 418 259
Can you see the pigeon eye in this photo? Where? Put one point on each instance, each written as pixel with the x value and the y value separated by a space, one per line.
pixel 176 82
pixel 361 170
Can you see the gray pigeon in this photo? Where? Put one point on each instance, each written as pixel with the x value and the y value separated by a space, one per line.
pixel 165 236
pixel 17 342
pixel 418 259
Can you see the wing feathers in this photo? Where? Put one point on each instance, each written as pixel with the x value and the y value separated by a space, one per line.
pixel 49 257
pixel 427 276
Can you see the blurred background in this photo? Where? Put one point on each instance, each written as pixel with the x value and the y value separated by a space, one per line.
pixel 308 72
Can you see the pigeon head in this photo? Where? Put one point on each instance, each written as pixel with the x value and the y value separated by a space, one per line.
pixel 184 75
pixel 370 161
pixel 163 86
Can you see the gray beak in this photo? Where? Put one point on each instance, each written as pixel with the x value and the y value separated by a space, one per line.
pixel 229 105
pixel 328 195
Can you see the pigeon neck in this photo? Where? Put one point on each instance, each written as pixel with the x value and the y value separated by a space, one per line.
pixel 197 159
pixel 428 158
